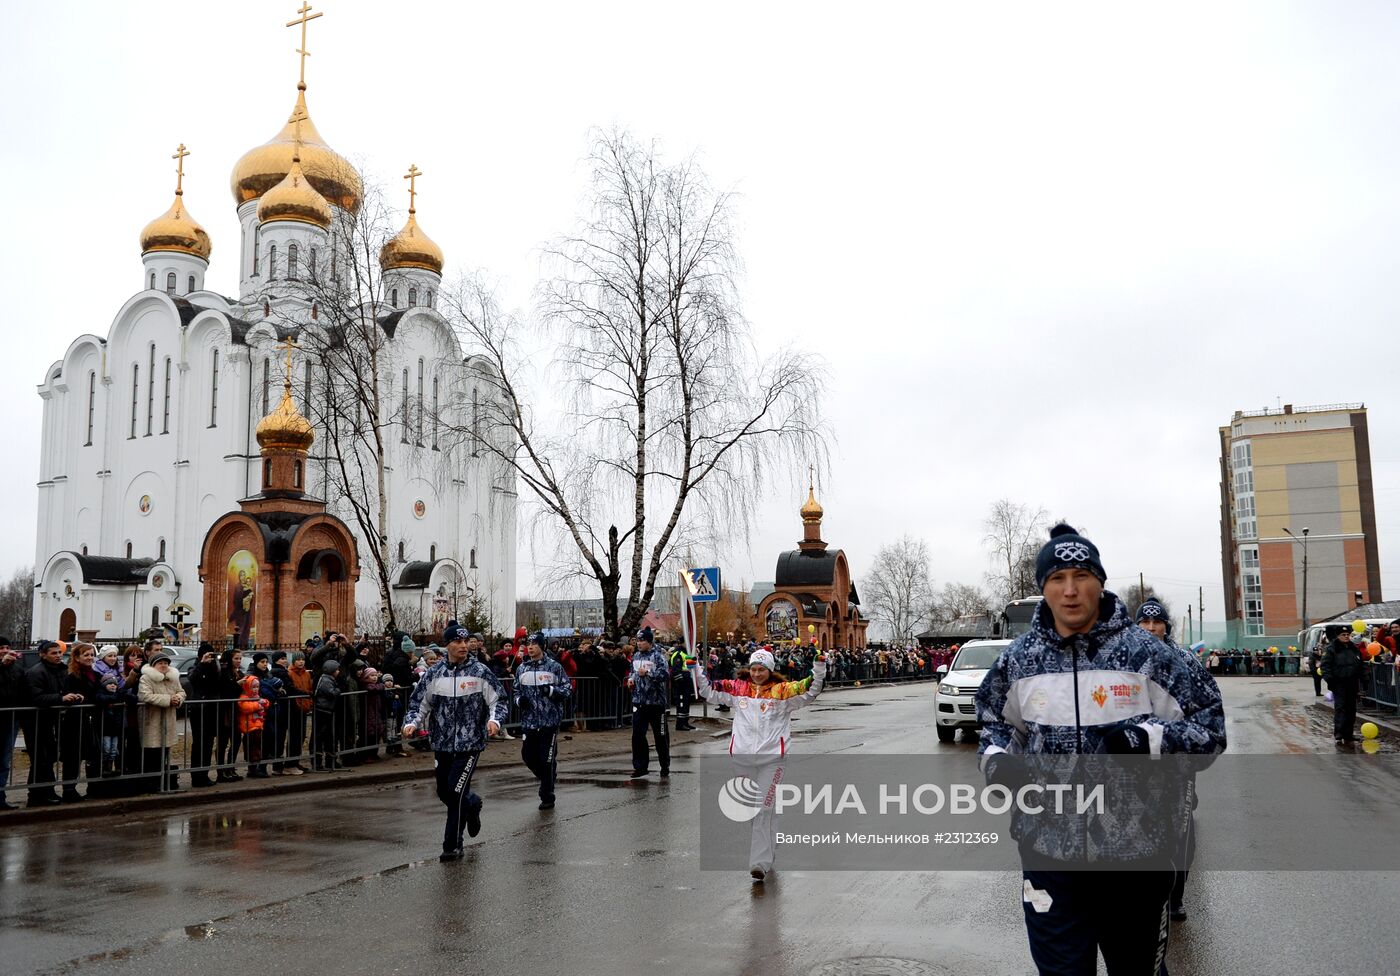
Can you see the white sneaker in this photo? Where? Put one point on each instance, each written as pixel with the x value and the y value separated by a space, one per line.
pixel 758 874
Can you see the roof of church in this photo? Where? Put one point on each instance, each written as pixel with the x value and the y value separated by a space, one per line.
pixel 114 569
pixel 798 568
pixel 416 573
pixel 390 322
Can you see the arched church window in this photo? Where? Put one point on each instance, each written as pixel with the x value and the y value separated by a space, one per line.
pixel 128 549
pixel 170 283
pixel 394 298
pixel 135 393
pixel 403 438
pixel 272 262
pixel 401 559
pixel 267 472
pixel 472 564
pixel 151 390
pixel 214 392
pixel 267 308
pixel 267 383
pixel 155 616
pixel 419 440
pixel 84 550
pixel 315 311
pixel 311 265
pixel 412 297
pixel 257 248
pixel 292 261
pixel 430 296
pixel 191 287
pixel 432 553
pixel 92 405
pixel 165 408
pixel 435 413
pixel 296 475
pixel 161 549
pixel 153 281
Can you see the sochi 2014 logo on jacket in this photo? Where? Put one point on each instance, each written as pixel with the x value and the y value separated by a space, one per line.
pixel 1099 695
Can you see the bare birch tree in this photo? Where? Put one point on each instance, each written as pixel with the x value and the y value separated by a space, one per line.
pixel 898 590
pixel 956 600
pixel 673 424
pixel 1014 534
pixel 348 386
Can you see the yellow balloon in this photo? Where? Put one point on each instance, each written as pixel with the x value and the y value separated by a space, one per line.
pixel 1369 730
pixel 1359 626
pixel 811 628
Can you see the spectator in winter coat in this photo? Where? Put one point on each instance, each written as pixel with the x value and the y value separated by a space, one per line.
pixel 161 696
pixel 108 669
pixel 11 697
pixel 79 727
pixel 398 661
pixel 301 683
pixel 228 691
pixel 252 708
pixel 204 718
pixel 46 692
pixel 272 691
pixel 326 707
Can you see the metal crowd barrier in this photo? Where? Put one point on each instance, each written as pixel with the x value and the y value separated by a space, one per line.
pixel 1379 687
pixel 99 747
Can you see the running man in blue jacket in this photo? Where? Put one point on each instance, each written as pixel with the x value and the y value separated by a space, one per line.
pixel 650 681
pixel 542 689
pixel 460 702
pixel 1085 679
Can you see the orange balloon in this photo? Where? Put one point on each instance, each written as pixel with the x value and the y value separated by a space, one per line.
pixel 1372 649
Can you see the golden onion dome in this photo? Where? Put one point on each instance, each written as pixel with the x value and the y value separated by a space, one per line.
pixel 411 248
pixel 285 428
pixel 812 509
pixel 176 230
pixel 262 168
pixel 295 199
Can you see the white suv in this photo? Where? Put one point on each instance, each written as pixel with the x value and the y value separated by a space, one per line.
pixel 955 706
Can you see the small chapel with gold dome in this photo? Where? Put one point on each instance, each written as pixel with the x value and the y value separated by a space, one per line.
pixel 158 426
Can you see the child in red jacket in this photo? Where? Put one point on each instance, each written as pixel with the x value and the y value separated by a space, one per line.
pixel 251 707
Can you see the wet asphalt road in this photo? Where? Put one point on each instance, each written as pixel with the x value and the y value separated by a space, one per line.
pixel 349 882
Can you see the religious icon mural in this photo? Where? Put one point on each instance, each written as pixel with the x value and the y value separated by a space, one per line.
pixel 780 623
pixel 441 608
pixel 242 594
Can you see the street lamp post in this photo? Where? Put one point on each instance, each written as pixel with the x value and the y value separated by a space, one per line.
pixel 1304 540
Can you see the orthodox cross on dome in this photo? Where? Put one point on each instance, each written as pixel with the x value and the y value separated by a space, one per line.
pixel 303 21
pixel 412 176
pixel 811 478
pixel 179 158
pixel 288 344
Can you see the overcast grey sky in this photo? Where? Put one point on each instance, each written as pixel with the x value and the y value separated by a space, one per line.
pixel 1047 248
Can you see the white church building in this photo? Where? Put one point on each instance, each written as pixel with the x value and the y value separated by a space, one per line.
pixel 148 429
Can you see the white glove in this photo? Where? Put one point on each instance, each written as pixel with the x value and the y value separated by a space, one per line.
pixel 819 668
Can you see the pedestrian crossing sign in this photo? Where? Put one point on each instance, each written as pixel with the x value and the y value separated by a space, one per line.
pixel 703 584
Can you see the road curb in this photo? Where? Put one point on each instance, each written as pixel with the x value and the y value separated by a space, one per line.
pixel 1390 723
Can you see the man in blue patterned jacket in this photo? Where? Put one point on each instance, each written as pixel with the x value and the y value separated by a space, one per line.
pixel 650 681
pixel 460 702
pixel 1084 679
pixel 542 688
